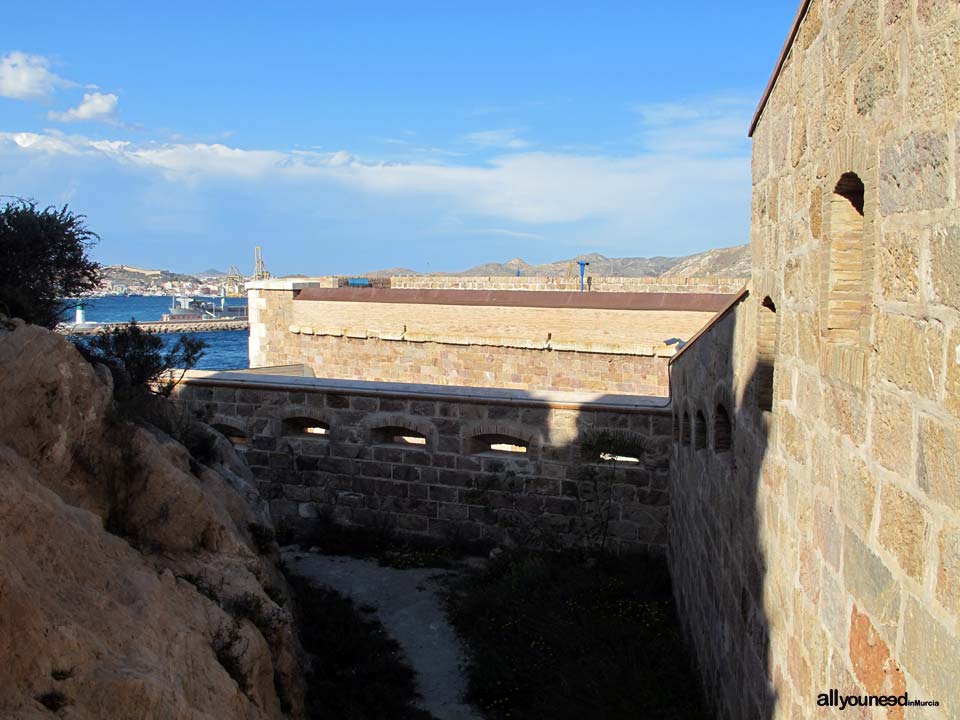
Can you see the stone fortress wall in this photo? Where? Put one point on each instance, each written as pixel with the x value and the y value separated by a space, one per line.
pixel 426 460
pixel 815 490
pixel 528 342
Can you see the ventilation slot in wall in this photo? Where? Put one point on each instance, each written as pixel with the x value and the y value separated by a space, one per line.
pixel 766 353
pixel 700 432
pixel 236 436
pixel 846 281
pixel 307 427
pixel 396 435
pixel 498 444
pixel 722 430
pixel 685 430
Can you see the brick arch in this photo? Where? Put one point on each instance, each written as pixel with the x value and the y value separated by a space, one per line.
pixel 229 421
pixel 421 425
pixel 288 412
pixel 531 436
pixel 851 160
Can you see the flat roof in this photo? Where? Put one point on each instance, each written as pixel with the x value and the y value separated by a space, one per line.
pixel 696 302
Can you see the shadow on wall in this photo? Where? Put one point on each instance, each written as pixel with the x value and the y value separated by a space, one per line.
pixel 473 470
pixel 722 428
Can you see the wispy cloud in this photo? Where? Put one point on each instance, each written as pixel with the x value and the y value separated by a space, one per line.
pixel 712 125
pixel 94 106
pixel 28 77
pixel 504 139
pixel 510 233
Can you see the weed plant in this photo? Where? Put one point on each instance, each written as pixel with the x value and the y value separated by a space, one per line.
pixel 357 671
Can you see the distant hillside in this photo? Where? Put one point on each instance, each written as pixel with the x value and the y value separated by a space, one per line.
pixel 130 275
pixel 725 262
pixel 728 262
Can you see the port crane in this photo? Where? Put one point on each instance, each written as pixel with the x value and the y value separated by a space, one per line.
pixel 259 269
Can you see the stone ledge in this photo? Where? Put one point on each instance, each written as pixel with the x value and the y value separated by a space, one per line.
pixel 257 380
pixel 546 343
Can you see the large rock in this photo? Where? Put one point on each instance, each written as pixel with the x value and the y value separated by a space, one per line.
pixel 173 612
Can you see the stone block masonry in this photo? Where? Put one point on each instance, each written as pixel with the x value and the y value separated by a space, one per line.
pixel 599 341
pixel 819 547
pixel 440 462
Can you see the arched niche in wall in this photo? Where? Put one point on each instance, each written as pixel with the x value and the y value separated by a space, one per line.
pixel 722 429
pixel 846 292
pixel 700 431
pixel 397 435
pixel 307 427
pixel 498 444
pixel 236 435
pixel 766 353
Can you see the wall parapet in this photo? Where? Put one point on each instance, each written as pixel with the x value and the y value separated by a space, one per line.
pixel 481 465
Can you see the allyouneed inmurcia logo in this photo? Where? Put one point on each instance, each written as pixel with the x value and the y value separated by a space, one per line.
pixel 835 699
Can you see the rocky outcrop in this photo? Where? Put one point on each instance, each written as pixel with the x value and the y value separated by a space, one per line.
pixel 135 580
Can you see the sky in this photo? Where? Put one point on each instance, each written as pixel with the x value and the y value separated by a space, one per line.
pixel 345 137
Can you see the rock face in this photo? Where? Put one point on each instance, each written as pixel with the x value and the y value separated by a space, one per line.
pixel 135 581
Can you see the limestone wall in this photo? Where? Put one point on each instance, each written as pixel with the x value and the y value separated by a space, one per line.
pixel 453 486
pixel 823 551
pixel 548 348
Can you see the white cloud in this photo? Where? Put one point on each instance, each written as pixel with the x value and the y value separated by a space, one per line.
pixel 506 139
pixel 714 125
pixel 528 187
pixel 94 106
pixel 28 77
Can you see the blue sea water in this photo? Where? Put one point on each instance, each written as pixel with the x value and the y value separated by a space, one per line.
pixel 226 349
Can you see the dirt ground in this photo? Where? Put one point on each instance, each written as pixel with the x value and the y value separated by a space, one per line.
pixel 408 604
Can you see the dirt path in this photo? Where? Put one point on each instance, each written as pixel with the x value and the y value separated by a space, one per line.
pixel 410 609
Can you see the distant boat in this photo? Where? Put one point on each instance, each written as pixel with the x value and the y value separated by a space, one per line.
pixel 188 309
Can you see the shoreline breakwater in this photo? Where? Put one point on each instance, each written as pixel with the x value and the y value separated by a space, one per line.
pixel 198 326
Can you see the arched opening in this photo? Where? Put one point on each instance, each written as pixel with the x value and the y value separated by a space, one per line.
pixel 397 435
pixel 304 426
pixel 722 430
pixel 846 300
pixel 235 435
pixel 700 432
pixel 766 353
pixel 491 443
pixel 685 430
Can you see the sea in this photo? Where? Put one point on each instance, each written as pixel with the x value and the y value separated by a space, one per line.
pixel 226 349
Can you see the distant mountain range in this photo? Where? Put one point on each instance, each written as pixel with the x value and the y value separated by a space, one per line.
pixel 722 262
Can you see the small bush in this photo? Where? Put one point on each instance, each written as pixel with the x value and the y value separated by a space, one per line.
pixel 204 587
pixel 357 670
pixel 136 358
pixel 228 645
pixel 253 608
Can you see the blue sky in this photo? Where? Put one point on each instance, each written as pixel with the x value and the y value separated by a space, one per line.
pixel 345 137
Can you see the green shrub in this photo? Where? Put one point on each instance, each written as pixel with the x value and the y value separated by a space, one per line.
pixel 137 360
pixel 44 260
pixel 357 672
